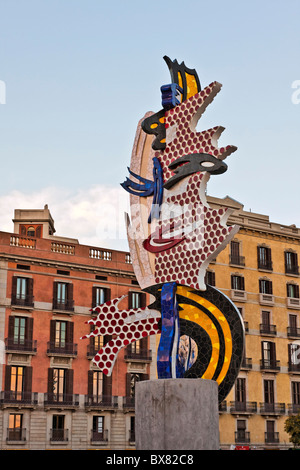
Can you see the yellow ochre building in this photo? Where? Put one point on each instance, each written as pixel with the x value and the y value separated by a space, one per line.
pixel 259 272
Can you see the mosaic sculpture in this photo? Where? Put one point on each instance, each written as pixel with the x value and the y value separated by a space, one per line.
pixel 173 235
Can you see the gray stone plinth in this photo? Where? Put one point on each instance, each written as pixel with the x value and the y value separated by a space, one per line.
pixel 177 414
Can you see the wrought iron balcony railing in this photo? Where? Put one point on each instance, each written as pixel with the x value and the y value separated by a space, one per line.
pixel 16 434
pixel 97 436
pixel 272 437
pixel 272 408
pixel 242 437
pixel 24 398
pixel 24 345
pixel 142 355
pixel 269 364
pixel 61 399
pixel 59 435
pixel 243 407
pixel 22 301
pixel 103 401
pixel 62 348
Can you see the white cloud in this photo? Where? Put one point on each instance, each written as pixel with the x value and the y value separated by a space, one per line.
pixel 94 217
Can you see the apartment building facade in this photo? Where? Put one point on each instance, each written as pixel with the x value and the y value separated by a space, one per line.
pixel 52 396
pixel 259 271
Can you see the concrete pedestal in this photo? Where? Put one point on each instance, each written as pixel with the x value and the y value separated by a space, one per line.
pixel 177 414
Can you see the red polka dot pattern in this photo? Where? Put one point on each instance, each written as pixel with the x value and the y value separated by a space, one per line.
pixel 207 235
pixel 186 141
pixel 125 327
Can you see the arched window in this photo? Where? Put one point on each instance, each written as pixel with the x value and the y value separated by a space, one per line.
pixel 30 232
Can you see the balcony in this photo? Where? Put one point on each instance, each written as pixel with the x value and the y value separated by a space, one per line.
pixel 101 401
pixel 58 400
pixel 294 367
pixel 246 363
pixel 243 407
pixel 293 408
pixel 294 332
pixel 265 265
pixel 239 295
pixel 293 302
pixel 272 437
pixel 59 435
pixel 267 329
pixel 144 355
pixel 223 407
pixel 270 365
pixel 129 402
pixel 99 437
pixel 242 437
pixel 66 306
pixel 237 260
pixel 292 269
pixel 266 299
pixel 16 435
pixel 61 349
pixel 10 397
pixel 275 409
pixel 25 345
pixel 22 301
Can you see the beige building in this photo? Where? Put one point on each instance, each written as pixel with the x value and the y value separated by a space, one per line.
pixel 259 271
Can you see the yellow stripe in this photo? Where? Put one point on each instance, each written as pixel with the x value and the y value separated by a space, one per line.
pixel 196 315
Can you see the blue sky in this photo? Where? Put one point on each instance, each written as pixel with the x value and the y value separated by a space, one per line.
pixel 79 74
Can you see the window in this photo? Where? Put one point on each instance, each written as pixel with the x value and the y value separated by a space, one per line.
pixel 265 286
pixel 235 257
pixel 264 260
pixel 136 300
pixel 22 291
pixel 97 383
pixel 20 333
pixel 15 427
pixel 18 380
pixel 241 433
pixel 30 232
pixel 63 296
pixel 100 295
pixel 240 394
pixel 58 431
pixel 269 394
pixel 296 393
pixel 131 380
pixel 210 278
pixel 294 357
pixel 291 262
pixel 132 429
pixel 98 433
pixel 99 388
pixel 138 350
pixel 19 330
pixel 268 355
pixel 60 385
pixel 292 328
pixel 271 436
pixel 61 337
pixel 60 334
pixel 292 291
pixel 237 282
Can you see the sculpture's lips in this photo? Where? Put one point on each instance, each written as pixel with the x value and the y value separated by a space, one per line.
pixel 156 242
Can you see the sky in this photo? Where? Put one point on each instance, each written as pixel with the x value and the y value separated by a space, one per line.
pixel 76 76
